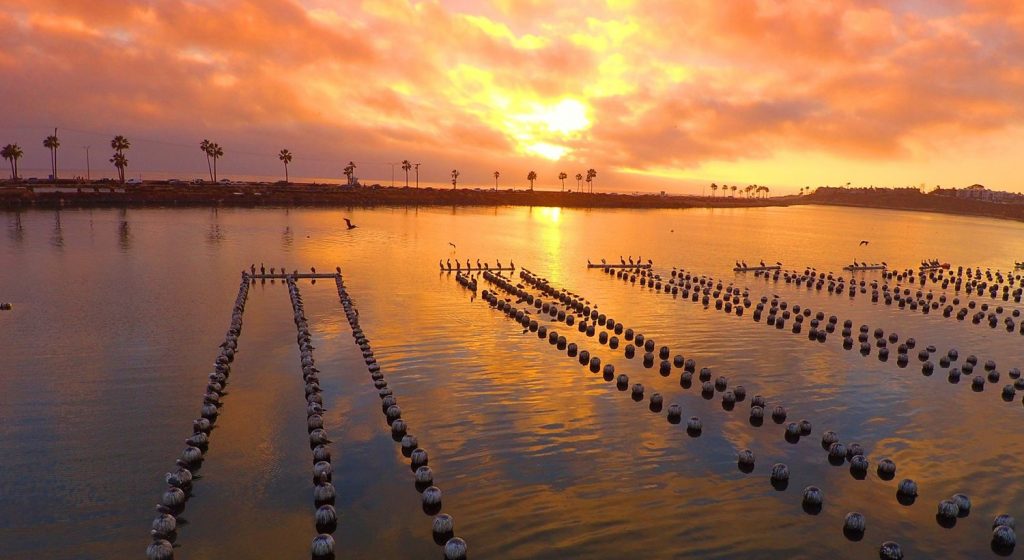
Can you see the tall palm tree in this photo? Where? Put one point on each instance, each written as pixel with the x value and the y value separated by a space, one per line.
pixel 496 175
pixel 350 170
pixel 714 189
pixel 455 178
pixel 12 153
pixel 406 166
pixel 531 177
pixel 205 147
pixel 120 144
pixel 748 189
pixel 286 157
pixel 216 152
pixel 416 166
pixel 562 177
pixel 591 175
pixel 579 182
pixel 733 189
pixel 120 161
pixel 52 143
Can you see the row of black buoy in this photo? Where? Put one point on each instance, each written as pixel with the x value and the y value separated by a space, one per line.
pixel 164 530
pixel 838 453
pixel 708 287
pixel 905 300
pixel 324 493
pixel 443 528
pixel 812 497
pixel 466 281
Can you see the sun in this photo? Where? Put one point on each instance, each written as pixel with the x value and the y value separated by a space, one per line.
pixel 541 127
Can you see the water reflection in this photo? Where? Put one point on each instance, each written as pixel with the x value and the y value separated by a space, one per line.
pixel 537 457
pixel 124 233
pixel 15 229
pixel 57 239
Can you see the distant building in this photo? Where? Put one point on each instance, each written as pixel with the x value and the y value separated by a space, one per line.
pixel 979 192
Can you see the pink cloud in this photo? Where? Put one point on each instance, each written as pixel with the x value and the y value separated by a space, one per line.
pixel 667 85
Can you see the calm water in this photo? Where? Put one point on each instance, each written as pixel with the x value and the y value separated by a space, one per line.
pixel 118 315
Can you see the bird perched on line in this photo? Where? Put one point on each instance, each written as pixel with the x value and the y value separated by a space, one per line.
pixel 349 223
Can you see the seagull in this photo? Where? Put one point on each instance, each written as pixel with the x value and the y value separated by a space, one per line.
pixel 863 242
pixel 452 244
pixel 603 261
pixel 349 223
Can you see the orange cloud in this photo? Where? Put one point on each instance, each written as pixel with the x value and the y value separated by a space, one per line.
pixel 636 90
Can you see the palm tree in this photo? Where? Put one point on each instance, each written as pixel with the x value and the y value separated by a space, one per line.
pixel 579 182
pixel 406 166
pixel 350 170
pixel 562 177
pixel 496 175
pixel 120 161
pixel 216 152
pixel 12 153
pixel 748 189
pixel 714 189
pixel 733 189
pixel 531 177
pixel 591 175
pixel 286 157
pixel 205 147
pixel 455 178
pixel 52 143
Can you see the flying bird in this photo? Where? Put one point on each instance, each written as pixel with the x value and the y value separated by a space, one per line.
pixel 864 242
pixel 349 223
pixel 452 244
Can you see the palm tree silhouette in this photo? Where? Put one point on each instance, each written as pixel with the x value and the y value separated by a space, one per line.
pixel 286 157
pixel 406 166
pixel 12 153
pixel 52 143
pixel 205 147
pixel 120 161
pixel 496 175
pixel 562 177
pixel 733 189
pixel 455 178
pixel 591 175
pixel 216 152
pixel 350 170
pixel 714 189
pixel 531 177
pixel 748 189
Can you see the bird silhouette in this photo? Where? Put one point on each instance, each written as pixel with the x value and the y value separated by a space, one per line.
pixel 863 242
pixel 349 223
pixel 452 244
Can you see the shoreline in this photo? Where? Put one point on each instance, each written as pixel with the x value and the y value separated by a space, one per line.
pixel 68 194
pixel 49 195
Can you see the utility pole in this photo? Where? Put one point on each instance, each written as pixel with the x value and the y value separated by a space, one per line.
pixel 417 166
pixel 88 171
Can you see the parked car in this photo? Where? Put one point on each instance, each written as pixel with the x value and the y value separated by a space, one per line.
pixel 133 181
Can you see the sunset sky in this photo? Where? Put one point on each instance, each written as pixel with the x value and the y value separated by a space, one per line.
pixel 655 95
